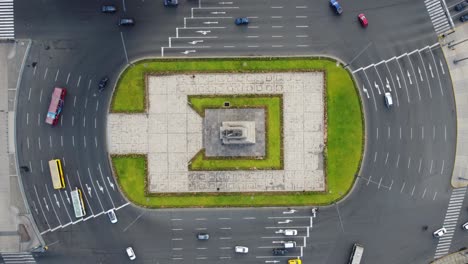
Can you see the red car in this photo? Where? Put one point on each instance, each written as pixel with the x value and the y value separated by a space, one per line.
pixel 363 20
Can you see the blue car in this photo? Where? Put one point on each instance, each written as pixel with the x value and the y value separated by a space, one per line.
pixel 336 7
pixel 241 21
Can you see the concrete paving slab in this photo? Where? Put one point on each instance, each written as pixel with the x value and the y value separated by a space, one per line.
pixel 174 132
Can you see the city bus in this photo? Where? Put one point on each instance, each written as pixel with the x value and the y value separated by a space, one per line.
pixel 56 173
pixel 78 204
pixel 56 106
pixel 356 255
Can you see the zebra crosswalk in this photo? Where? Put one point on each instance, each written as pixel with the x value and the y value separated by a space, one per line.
pixel 21 257
pixel 7 21
pixel 450 221
pixel 438 16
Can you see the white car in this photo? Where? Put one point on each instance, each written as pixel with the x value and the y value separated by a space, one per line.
pixel 289 244
pixel 465 226
pixel 131 253
pixel 440 232
pixel 241 249
pixel 112 216
pixel 290 232
pixel 388 99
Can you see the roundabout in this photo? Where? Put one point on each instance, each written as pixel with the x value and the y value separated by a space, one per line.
pixel 401 182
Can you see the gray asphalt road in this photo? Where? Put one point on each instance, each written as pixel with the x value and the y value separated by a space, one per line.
pixel 404 182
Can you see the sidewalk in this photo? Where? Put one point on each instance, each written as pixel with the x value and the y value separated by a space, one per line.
pixel 455 48
pixel 460 257
pixel 17 227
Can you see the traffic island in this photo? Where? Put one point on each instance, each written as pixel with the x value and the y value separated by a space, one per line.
pixel 177 162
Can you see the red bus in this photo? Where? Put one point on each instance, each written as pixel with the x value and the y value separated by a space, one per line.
pixel 56 106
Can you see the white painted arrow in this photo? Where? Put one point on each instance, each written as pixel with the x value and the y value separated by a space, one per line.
pixel 111 184
pixel 420 75
pixel 291 211
pixel 442 67
pixel 285 221
pixel 218 13
pixel 365 90
pixel 388 85
pixel 35 208
pixel 277 232
pixel 203 32
pixel 195 42
pixel 377 87
pixel 210 22
pixel 100 187
pixel 398 80
pixel 409 77
pixel 89 190
pixel 56 200
pixel 430 69
pixel 277 242
pixel 68 198
pixel 46 205
pixel 188 51
pixel 225 3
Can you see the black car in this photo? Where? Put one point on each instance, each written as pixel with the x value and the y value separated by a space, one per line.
pixel 203 236
pixel 108 9
pixel 126 22
pixel 279 251
pixel 171 3
pixel 464 18
pixel 103 83
pixel 459 7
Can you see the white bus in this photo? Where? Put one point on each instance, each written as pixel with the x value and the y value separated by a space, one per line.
pixel 78 204
pixel 356 255
pixel 56 173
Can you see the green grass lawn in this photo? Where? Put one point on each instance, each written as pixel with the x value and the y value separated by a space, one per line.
pixel 344 131
pixel 273 125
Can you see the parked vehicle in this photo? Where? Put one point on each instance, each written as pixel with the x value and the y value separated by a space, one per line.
pixel 459 7
pixel 464 18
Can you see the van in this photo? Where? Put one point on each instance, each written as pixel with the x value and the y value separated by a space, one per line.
pixel 290 244
pixel 388 99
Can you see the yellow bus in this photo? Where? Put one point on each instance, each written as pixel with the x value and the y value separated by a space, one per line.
pixel 78 203
pixel 56 173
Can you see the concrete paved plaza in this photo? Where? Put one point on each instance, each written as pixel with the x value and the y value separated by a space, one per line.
pixel 171 133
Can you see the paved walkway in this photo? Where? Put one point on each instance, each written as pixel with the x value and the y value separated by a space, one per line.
pixel 460 257
pixel 455 47
pixel 17 228
pixel 171 133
